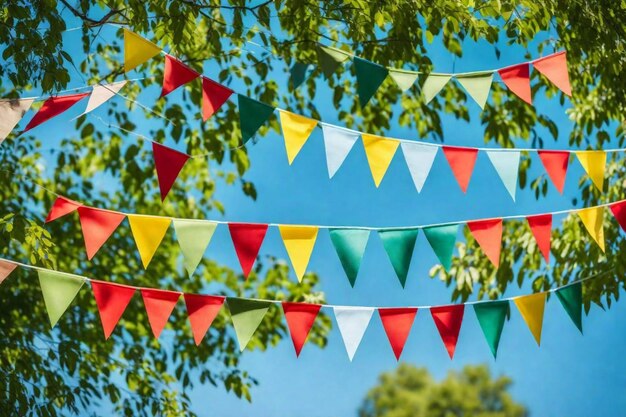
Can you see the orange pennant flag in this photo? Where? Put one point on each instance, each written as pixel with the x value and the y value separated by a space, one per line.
pixel 488 234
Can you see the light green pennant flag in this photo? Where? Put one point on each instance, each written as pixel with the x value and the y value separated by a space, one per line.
pixel 433 85
pixel 246 315
pixel 350 245
pixel 404 79
pixel 491 316
pixel 477 86
pixel 369 76
pixel 399 245
pixel 58 291
pixel 193 238
pixel 507 167
pixel 252 115
pixel 442 240
pixel 330 59
pixel 571 298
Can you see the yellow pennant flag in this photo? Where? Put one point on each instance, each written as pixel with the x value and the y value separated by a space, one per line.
pixel 593 162
pixel 593 219
pixel 148 232
pixel 299 242
pixel 296 131
pixel 379 152
pixel 531 307
pixel 137 50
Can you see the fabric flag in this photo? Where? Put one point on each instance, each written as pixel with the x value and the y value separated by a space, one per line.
pixel 571 298
pixel 352 323
pixel 299 242
pixel 176 74
pixel 433 85
pixel 252 115
pixel 296 131
pixel 168 163
pixel 555 163
pixel 419 158
pixel 488 234
pixel 148 232
pixel 397 323
pixel 11 112
pixel 350 245
pixel 517 79
pixel 137 50
pixel 202 310
pixel 531 307
pixel 100 94
pixel 593 219
pixel 300 319
pixel 193 238
pixel 462 161
pixel 404 79
pixel 111 299
pixel 477 86
pixel 330 59
pixel 246 315
pixel 159 306
pixel 298 73
pixel 379 152
pixel 98 225
pixel 554 68
pixel 53 107
pixel 442 239
pixel 61 207
pixel 214 95
pixel 619 212
pixel 399 245
pixel 491 316
pixel 247 239
pixel 448 320
pixel 338 143
pixel 5 270
pixel 541 226
pixel 59 290
pixel 369 76
pixel 593 162
pixel 507 167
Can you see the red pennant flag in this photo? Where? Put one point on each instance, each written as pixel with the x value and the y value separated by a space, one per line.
pixel 5 270
pixel 397 323
pixel 462 161
pixel 300 318
pixel 214 95
pixel 517 78
pixel 98 225
pixel 112 300
pixel 247 238
pixel 619 212
pixel 541 226
pixel 53 107
pixel 554 68
pixel 176 74
pixel 159 306
pixel 488 234
pixel 168 163
pixel 61 207
pixel 202 310
pixel 555 163
pixel 448 320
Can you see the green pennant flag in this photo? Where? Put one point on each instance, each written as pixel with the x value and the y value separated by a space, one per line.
pixel 193 238
pixel 252 114
pixel 491 316
pixel 298 73
pixel 330 59
pixel 477 86
pixel 246 315
pixel 433 85
pixel 404 79
pixel 399 245
pixel 58 291
pixel 442 240
pixel 350 245
pixel 571 298
pixel 369 76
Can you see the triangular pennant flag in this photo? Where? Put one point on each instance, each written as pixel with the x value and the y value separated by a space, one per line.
pixel 350 245
pixel 6 268
pixel 619 212
pixel 53 107
pixel 531 307
pixel 399 245
pixel 462 161
pixel 100 94
pixel 352 323
pixel 397 323
pixel 433 85
pixel 168 163
pixel 338 142
pixel 491 316
pixel 159 306
pixel 176 74
pixel 419 158
pixel 61 207
pixel 554 68
pixel 555 163
pixel 98 226
pixel 488 234
pixel 137 50
pixel 541 226
pixel 571 298
pixel 246 315
pixel 404 79
pixel 300 318
pixel 477 86
pixel 252 115
pixel 193 237
pixel 247 239
pixel 330 59
pixel 296 131
pixel 11 112
pixel 448 320
pixel 442 240
pixel 369 76
pixel 593 162
pixel 507 167
pixel 593 219
pixel 299 242
pixel 517 79
pixel 59 290
pixel 379 152
pixel 148 232
pixel 111 299
pixel 298 73
pixel 202 310
pixel 214 95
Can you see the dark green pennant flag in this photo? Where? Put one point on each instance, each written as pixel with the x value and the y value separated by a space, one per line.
pixel 330 59
pixel 399 245
pixel 571 298
pixel 491 316
pixel 369 76
pixel 252 114
pixel 298 73
pixel 350 246
pixel 442 240
pixel 246 315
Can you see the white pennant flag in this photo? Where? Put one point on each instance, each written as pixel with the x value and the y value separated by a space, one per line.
pixel 101 94
pixel 352 323
pixel 338 143
pixel 507 167
pixel 419 158
pixel 11 112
